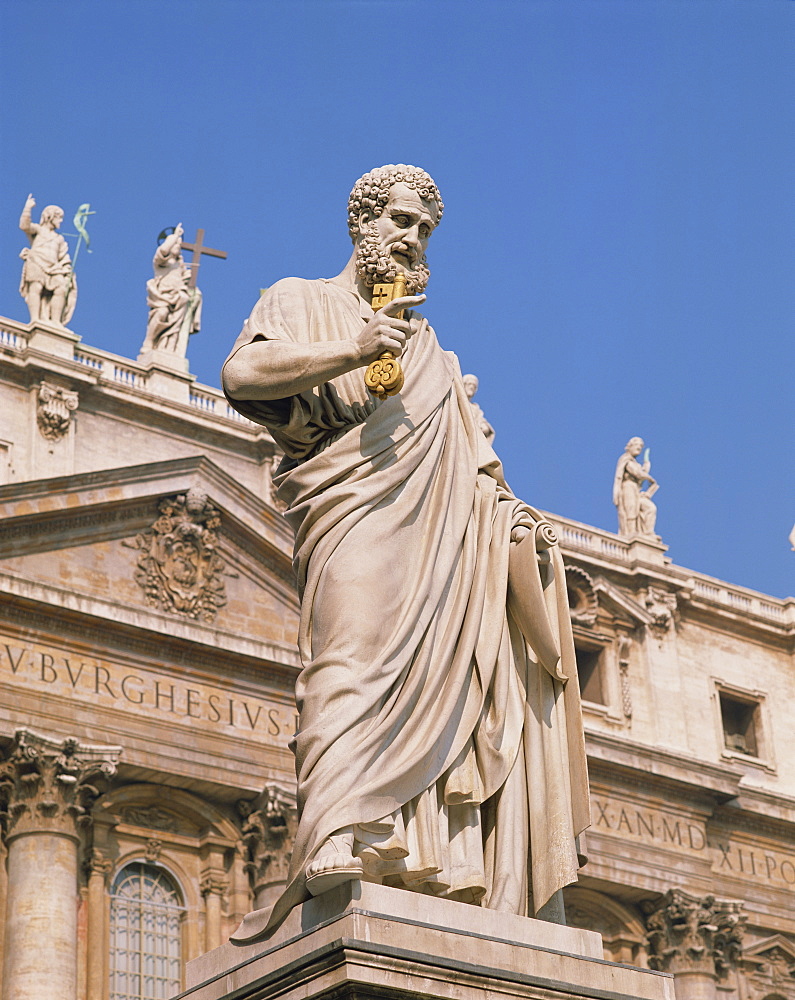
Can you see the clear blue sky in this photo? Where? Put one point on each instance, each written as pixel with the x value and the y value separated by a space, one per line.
pixel 616 256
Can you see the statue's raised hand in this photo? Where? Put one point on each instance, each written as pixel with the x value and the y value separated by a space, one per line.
pixel 385 332
pixel 30 202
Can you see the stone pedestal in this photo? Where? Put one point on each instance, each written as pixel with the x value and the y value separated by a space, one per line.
pixel 365 941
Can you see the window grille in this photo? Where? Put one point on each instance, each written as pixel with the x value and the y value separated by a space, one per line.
pixel 145 934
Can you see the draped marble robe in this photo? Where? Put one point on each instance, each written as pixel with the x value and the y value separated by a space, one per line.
pixel 427 721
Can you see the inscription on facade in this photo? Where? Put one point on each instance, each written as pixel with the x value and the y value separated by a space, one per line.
pixel 728 856
pixel 144 692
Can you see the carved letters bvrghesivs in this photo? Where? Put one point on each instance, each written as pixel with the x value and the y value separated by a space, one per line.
pixel 179 568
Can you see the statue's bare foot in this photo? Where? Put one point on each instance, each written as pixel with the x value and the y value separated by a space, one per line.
pixel 333 864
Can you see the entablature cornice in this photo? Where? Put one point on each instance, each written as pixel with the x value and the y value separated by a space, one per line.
pixel 87 508
pixel 639 762
pixel 57 614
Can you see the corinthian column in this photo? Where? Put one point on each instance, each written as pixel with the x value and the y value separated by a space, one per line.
pixel 47 790
pixel 698 939
pixel 269 825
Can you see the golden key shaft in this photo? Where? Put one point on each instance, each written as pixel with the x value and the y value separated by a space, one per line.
pixel 384 376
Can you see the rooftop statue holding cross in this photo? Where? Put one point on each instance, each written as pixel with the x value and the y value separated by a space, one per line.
pixel 172 296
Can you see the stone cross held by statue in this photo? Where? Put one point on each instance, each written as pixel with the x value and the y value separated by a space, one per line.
pixel 198 249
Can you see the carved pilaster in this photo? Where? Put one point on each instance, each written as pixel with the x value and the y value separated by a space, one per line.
pixel 694 935
pixel 624 646
pixel 51 785
pixel 97 866
pixel 269 827
pixel 213 885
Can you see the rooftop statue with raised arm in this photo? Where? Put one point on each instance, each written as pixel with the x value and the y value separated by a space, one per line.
pixel 440 746
pixel 174 306
pixel 48 283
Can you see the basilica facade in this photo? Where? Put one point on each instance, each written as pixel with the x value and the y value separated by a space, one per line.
pixel 147 667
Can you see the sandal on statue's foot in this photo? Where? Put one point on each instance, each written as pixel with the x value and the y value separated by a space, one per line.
pixel 330 870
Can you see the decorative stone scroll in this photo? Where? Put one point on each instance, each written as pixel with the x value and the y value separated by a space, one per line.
pixel 179 568
pixel 583 602
pixel 55 407
pixel 690 934
pixel 269 825
pixel 47 784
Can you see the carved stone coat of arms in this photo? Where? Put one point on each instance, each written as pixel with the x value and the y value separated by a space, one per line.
pixel 179 567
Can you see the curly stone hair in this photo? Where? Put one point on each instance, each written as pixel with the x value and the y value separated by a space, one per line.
pixel 49 213
pixel 372 191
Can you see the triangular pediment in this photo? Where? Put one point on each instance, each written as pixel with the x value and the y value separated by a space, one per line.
pixel 176 540
pixel 775 946
pixel 621 604
pixel 47 514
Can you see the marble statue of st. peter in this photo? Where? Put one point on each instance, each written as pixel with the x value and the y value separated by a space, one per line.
pixel 440 745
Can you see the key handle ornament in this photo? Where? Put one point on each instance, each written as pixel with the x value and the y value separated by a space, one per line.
pixel 384 376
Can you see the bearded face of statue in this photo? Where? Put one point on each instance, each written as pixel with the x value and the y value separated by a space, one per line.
pixel 397 240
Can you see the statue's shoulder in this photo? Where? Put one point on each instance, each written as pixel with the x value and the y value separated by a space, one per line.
pixel 293 286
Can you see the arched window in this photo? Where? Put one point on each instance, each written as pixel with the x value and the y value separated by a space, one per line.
pixel 145 934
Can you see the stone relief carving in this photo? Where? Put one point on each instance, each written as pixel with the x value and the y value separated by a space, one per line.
pixel 48 784
pixel 637 513
pixel 269 825
pixel 694 934
pixel 662 607
pixel 54 410
pixel 179 568
pixel 624 647
pixel 768 968
pixel 471 384
pixel 153 850
pixel 151 817
pixel 583 602
pixel 48 283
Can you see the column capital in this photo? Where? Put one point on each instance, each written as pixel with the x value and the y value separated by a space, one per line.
pixel 213 882
pixel 269 825
pixel 694 934
pixel 97 863
pixel 49 785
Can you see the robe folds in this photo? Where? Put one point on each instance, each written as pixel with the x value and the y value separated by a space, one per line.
pixel 428 721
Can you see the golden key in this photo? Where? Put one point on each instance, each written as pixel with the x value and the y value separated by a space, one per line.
pixel 384 376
